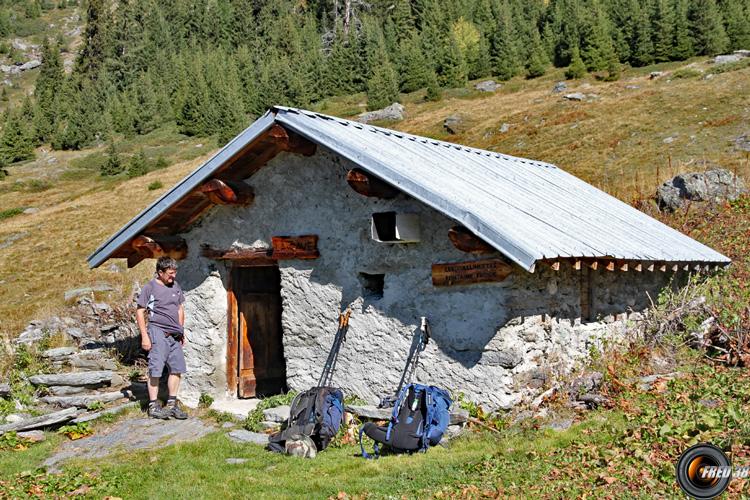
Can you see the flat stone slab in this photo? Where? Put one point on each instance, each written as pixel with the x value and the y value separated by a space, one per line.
pixel 238 408
pixel 234 461
pixel 33 436
pixel 76 292
pixel 84 401
pixel 92 363
pixel 65 390
pixel 245 436
pixel 82 378
pixel 279 414
pixel 458 415
pixel 40 421
pixel 59 352
pixel 130 435
pixel 109 411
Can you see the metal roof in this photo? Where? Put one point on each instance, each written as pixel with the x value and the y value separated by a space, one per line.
pixel 529 210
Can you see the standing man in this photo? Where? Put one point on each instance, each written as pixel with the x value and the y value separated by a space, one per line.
pixel 164 337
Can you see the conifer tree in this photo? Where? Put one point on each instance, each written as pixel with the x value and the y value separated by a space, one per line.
pixel 414 67
pixel 597 48
pixel 452 71
pixel 504 55
pixel 663 29
pixel 113 165
pixel 577 68
pixel 682 47
pixel 537 59
pixel 138 165
pixel 642 44
pixel 736 15
pixel 433 87
pixel 16 143
pixel 468 38
pixel 382 89
pixel 707 28
pixel 50 81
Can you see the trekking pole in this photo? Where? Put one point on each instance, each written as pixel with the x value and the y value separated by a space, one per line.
pixel 327 375
pixel 411 362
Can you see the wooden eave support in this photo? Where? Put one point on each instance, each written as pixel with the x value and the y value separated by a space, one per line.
pixel 256 256
pixel 291 142
pixel 228 192
pixel 464 240
pixel 284 248
pixel 369 185
pixel 154 246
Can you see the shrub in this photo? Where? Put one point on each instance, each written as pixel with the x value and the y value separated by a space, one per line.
pixel 684 73
pixel 11 212
pixel 205 400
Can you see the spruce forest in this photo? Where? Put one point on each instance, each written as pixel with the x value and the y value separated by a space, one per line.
pixel 211 66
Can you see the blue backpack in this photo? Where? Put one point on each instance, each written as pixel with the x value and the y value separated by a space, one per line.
pixel 316 413
pixel 420 417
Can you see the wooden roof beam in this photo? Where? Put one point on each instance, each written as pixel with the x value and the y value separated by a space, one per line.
pixel 369 185
pixel 291 142
pixel 228 192
pixel 466 241
pixel 151 247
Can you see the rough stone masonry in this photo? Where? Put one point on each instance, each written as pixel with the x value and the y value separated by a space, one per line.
pixel 493 342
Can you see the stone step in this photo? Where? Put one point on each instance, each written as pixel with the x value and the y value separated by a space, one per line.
pixel 109 411
pixel 84 401
pixel 458 415
pixel 76 378
pixel 59 353
pixel 92 363
pixel 57 417
pixel 67 390
pixel 245 436
pixel 268 425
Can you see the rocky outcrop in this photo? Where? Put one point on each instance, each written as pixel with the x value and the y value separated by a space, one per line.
pixel 735 56
pixel 455 124
pixel 488 86
pixel 394 112
pixel 710 186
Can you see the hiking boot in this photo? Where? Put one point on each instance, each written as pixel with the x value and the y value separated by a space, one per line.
pixel 174 411
pixel 155 410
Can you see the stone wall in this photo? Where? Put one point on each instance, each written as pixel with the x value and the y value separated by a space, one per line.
pixel 493 342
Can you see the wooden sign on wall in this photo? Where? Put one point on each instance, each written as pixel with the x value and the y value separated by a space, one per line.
pixel 463 273
pixel 295 247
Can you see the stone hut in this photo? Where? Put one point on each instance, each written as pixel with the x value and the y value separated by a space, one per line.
pixel 520 267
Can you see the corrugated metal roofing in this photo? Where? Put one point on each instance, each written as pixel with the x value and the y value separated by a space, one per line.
pixel 528 210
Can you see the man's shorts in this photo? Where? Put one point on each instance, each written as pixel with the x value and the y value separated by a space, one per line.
pixel 165 350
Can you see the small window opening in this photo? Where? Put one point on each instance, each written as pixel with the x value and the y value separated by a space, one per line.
pixel 372 285
pixel 392 227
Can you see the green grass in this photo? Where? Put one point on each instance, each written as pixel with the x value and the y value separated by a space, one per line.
pixel 10 212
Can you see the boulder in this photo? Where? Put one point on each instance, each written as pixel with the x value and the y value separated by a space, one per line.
pixel 735 56
pixel 710 186
pixel 4 390
pixel 559 87
pixel 504 128
pixel 30 65
pixel 278 415
pixel 455 124
pixel 655 74
pixel 576 96
pixel 586 383
pixel 77 379
pixel 32 436
pixel 245 436
pixel 394 112
pixel 84 401
pixel 487 86
pixel 742 143
pixel 57 417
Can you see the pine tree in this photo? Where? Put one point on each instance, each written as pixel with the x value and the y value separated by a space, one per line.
pixel 537 60
pixel 577 68
pixel 452 71
pixel 433 87
pixel 597 48
pixel 48 84
pixel 113 164
pixel 382 89
pixel 663 29
pixel 16 143
pixel 504 54
pixel 736 15
pixel 468 39
pixel 413 67
pixel 682 47
pixel 138 165
pixel 642 44
pixel 708 28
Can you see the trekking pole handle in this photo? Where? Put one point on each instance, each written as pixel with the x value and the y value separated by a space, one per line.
pixel 425 327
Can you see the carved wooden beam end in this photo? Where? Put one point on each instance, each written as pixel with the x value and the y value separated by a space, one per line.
pixel 152 247
pixel 222 192
pixel 369 185
pixel 291 141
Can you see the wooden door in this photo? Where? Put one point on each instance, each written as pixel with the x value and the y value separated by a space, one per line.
pixel 261 369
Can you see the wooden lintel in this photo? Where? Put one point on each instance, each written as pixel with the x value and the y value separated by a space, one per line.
pixel 154 246
pixel 610 265
pixel 295 247
pixel 236 254
pixel 291 142
pixel 369 185
pixel 464 240
pixel 228 192
pixel 284 248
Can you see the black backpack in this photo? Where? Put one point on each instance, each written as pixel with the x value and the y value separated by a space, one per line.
pixel 316 413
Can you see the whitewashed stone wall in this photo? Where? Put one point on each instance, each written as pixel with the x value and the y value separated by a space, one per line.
pixel 496 343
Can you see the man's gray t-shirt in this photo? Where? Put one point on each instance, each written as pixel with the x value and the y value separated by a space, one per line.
pixel 163 304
